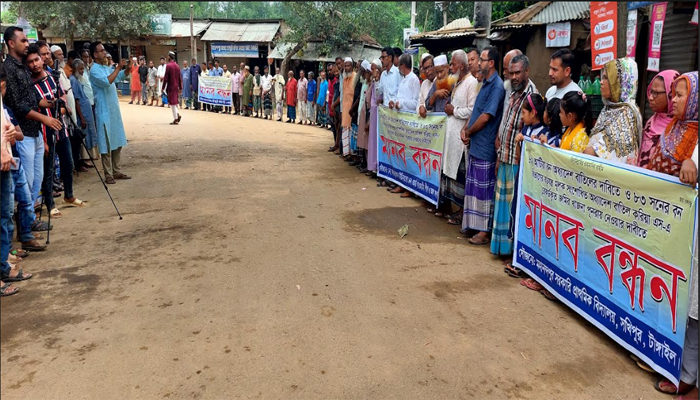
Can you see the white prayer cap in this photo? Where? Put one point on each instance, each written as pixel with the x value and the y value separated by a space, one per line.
pixel 440 60
pixel 366 65
pixel 171 53
pixel 134 58
pixel 55 48
pixel 348 59
pixel 424 55
pixel 377 63
pixel 247 67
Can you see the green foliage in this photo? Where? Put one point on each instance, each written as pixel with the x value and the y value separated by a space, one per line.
pixel 502 9
pixel 92 19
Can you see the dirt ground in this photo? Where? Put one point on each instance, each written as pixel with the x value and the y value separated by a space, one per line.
pixel 253 264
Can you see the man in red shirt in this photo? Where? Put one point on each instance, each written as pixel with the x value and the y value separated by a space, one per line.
pixel 291 98
pixel 172 85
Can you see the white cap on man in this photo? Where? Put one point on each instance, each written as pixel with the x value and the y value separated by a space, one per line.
pixel 424 55
pixel 366 65
pixel 440 60
pixel 348 59
pixel 55 48
pixel 377 63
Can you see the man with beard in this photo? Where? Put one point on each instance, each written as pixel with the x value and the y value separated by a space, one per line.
pixel 506 80
pixel 172 86
pixel 279 84
pixel 480 133
pixel 186 87
pixel 111 137
pixel 508 157
pixel 458 109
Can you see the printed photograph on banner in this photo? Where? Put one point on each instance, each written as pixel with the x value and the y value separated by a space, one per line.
pixel 409 151
pixel 613 242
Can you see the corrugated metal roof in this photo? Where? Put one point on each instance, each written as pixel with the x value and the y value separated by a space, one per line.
pixel 311 52
pixel 560 11
pixel 182 28
pixel 463 32
pixel 525 15
pixel 242 32
pixel 457 24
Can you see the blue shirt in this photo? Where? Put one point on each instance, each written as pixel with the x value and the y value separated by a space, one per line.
pixel 322 93
pixel 488 101
pixel 311 90
pixel 216 72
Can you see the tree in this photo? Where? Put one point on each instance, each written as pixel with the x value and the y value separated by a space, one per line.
pixel 92 19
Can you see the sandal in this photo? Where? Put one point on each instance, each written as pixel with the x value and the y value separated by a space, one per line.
pixel 531 284
pixel 512 271
pixel 485 240
pixel 406 194
pixel 439 214
pixel 665 386
pixel 383 183
pixel 20 277
pixel 20 253
pixel 110 180
pixel 548 295
pixel 55 213
pixel 8 290
pixel 40 226
pixel 75 203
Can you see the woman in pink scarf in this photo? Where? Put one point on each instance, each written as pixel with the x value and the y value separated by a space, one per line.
pixel 659 95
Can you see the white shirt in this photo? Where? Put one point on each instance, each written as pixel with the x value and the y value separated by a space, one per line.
pixel 462 99
pixel 388 85
pixel 408 93
pixel 424 90
pixel 161 71
pixel 558 93
pixel 266 83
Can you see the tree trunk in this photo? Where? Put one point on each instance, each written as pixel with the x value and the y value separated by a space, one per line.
pixel 289 56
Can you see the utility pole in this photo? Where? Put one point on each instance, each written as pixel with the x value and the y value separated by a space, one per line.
pixel 193 44
pixel 444 12
pixel 621 29
pixel 482 19
pixel 413 14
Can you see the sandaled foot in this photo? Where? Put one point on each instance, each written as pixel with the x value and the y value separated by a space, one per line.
pixel 7 289
pixel 74 202
pixel 512 271
pixel 55 213
pixel 109 180
pixel 531 284
pixel 40 226
pixel 120 175
pixel 397 190
pixel 480 239
pixel 455 221
pixel 21 253
pixel 20 275
pixel 548 295
pixel 667 387
pixel 33 245
pixel 406 195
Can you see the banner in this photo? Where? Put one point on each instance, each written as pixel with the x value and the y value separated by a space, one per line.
pixel 241 50
pixel 603 33
pixel 409 151
pixel 614 243
pixel 631 33
pixel 658 16
pixel 559 34
pixel 215 90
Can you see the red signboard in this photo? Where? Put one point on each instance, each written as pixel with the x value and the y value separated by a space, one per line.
pixel 603 33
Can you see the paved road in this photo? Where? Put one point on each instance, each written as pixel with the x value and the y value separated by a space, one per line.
pixel 253 264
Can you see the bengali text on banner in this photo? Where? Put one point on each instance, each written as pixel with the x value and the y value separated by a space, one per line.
pixel 409 151
pixel 215 90
pixel 614 243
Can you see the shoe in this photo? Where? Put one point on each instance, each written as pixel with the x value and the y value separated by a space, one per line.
pixel 40 226
pixel 120 175
pixel 109 180
pixel 33 245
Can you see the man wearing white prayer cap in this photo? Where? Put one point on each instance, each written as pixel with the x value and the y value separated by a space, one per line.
pixel 427 69
pixel 366 65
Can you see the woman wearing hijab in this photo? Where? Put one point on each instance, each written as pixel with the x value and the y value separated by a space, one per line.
pixel 659 95
pixel 677 154
pixel 618 129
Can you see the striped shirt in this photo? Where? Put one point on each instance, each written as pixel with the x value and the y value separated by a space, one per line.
pixel 45 88
pixel 513 124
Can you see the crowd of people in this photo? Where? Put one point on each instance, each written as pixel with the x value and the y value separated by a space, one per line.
pixel 60 115
pixel 488 117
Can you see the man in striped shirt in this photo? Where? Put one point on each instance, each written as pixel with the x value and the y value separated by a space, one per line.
pixel 47 91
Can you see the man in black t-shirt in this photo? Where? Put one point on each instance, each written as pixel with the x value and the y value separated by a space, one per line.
pixel 143 77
